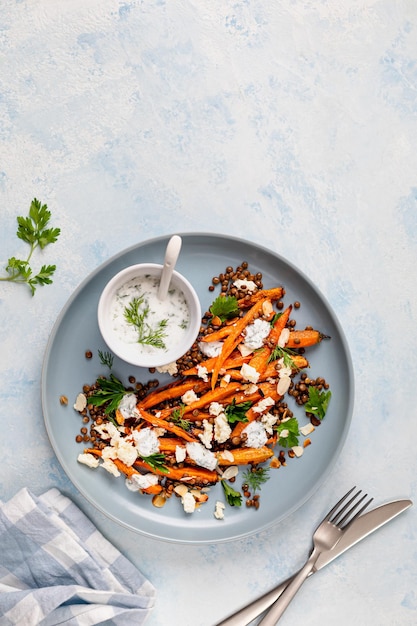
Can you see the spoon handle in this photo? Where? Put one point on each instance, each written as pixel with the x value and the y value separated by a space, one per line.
pixel 171 255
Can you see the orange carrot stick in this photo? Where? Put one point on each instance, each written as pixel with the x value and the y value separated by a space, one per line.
pixel 161 423
pixel 171 392
pixel 273 294
pixel 243 456
pixel 215 395
pixel 186 474
pixel 235 360
pixel 304 338
pixel 234 338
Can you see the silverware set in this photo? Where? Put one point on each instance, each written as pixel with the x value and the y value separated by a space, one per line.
pixel 343 527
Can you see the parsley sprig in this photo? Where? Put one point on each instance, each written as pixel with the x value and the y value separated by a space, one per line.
pixel 237 412
pixel 135 314
pixel 225 307
pixel 288 433
pixel 110 393
pixel 318 402
pixel 233 497
pixel 33 230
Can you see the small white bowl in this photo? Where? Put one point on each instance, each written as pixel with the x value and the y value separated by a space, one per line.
pixel 181 308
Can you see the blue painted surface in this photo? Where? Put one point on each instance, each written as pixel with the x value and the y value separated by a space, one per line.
pixel 292 124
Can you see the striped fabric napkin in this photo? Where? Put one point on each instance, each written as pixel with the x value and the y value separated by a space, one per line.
pixel 57 568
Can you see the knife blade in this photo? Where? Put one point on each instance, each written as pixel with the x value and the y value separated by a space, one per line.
pixel 361 528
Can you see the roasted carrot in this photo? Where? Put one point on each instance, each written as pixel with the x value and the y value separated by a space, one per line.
pixel 219 334
pixel 243 456
pixel 189 474
pixel 273 294
pixel 251 415
pixel 235 360
pixel 234 338
pixel 215 395
pixel 304 338
pixel 128 471
pixel 172 392
pixel 161 423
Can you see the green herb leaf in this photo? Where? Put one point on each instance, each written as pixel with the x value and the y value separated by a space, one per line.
pixel 135 314
pixel 318 402
pixel 110 393
pixel 237 412
pixel 225 307
pixel 233 497
pixel 177 417
pixel 106 358
pixel 32 230
pixel 256 477
pixel 156 461
pixel 290 439
pixel 284 353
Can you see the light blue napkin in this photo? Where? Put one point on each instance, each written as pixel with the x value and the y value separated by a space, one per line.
pixel 57 568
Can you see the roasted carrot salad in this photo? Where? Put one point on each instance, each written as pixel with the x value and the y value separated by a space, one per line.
pixel 224 417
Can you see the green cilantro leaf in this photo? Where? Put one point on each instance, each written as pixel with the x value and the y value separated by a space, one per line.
pixel 237 412
pixel 288 433
pixel 225 307
pixel 318 402
pixel 233 497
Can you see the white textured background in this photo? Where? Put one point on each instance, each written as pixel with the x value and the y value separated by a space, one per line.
pixel 292 124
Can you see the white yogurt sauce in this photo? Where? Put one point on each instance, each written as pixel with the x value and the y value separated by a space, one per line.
pixel 173 309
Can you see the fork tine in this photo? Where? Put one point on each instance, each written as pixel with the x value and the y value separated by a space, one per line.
pixel 336 506
pixel 343 522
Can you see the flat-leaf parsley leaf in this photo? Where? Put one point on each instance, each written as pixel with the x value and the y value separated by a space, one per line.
pixel 233 497
pixel 288 433
pixel 225 307
pixel 318 402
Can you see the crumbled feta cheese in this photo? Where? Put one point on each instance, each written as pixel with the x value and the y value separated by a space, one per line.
pixel 249 373
pixel 126 452
pixel 203 457
pixel 298 450
pixel 180 453
pixel 216 408
pixel 207 435
pixel 188 502
pixel 249 389
pixel 146 441
pixel 141 481
pixel 202 372
pixel 210 348
pixel 219 510
pixel 246 285
pixel 225 380
pixel 107 431
pixel 307 429
pixel 256 435
pixel 283 338
pixel 268 420
pixel 88 459
pixel 111 467
pixel 263 405
pixel 283 370
pixel 80 402
pixel 189 397
pixel 170 368
pixel 222 429
pixel 256 333
pixel 127 405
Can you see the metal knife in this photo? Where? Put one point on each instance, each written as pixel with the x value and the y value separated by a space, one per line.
pixel 361 528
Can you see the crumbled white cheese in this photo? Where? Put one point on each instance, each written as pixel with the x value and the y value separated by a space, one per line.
pixel 249 373
pixel 180 453
pixel 202 372
pixel 222 429
pixel 263 405
pixel 268 420
pixel 188 502
pixel 107 431
pixel 170 368
pixel 111 467
pixel 125 451
pixel 88 459
pixel 225 380
pixel 216 408
pixel 249 389
pixel 146 441
pixel 207 435
pixel 283 370
pixel 283 338
pixel 256 333
pixel 284 433
pixel 210 348
pixel 247 285
pixel 127 405
pixel 189 397
pixel 298 450
pixel 141 481
pixel 203 457
pixel 80 402
pixel 256 435
pixel 219 510
pixel 307 429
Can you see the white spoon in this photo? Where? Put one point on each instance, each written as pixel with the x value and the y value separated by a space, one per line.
pixel 171 255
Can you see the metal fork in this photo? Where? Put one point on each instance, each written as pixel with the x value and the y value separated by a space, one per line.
pixel 326 536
